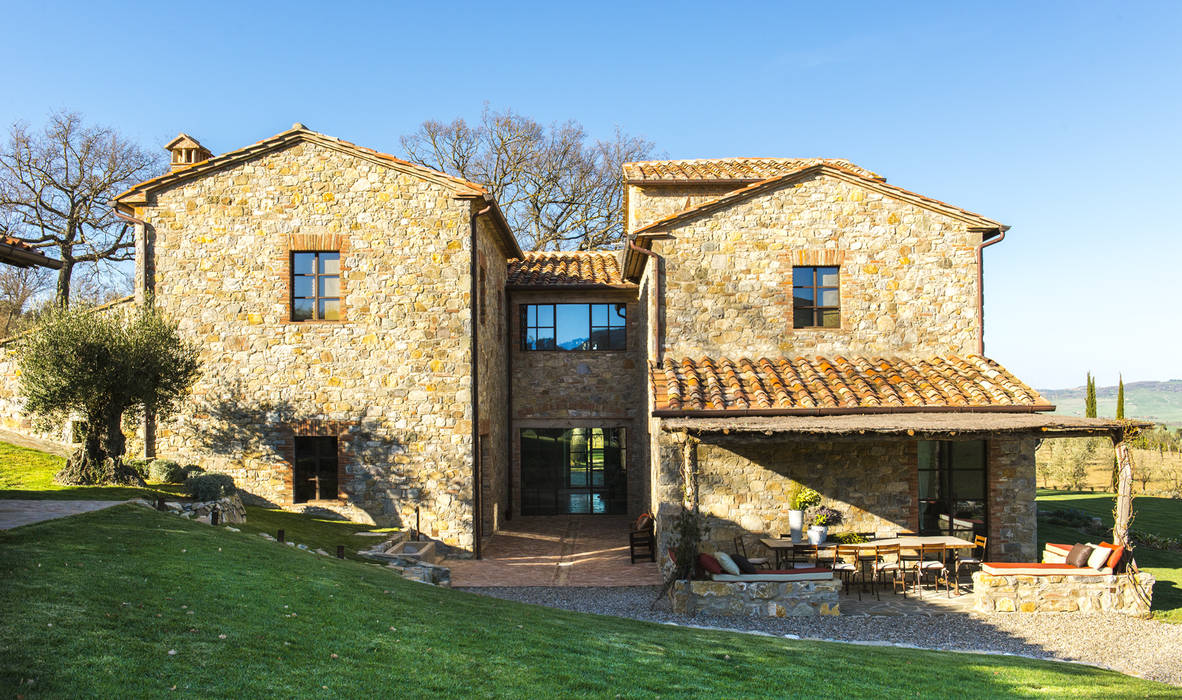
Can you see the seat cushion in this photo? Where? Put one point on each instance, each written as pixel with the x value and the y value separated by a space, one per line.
pixel 745 565
pixel 728 565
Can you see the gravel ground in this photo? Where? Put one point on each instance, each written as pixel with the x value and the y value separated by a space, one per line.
pixel 1145 648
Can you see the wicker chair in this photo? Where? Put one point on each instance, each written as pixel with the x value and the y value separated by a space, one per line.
pixel 642 541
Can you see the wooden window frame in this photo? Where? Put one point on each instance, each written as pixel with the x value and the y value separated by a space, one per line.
pixel 318 472
pixel 316 277
pixel 816 309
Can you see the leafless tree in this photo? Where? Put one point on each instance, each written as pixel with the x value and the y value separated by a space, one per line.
pixel 558 190
pixel 18 286
pixel 56 187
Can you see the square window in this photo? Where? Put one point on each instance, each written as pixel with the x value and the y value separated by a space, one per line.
pixel 316 286
pixel 816 297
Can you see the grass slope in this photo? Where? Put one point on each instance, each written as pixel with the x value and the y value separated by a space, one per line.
pixel 1160 516
pixel 27 473
pixel 92 605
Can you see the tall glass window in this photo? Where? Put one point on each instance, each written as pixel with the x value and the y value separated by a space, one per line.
pixel 573 470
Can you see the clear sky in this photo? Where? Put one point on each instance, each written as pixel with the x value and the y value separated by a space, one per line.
pixel 1059 119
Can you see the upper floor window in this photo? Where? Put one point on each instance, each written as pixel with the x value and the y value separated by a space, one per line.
pixel 573 326
pixel 316 286
pixel 815 302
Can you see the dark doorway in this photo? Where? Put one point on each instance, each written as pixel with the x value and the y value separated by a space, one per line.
pixel 953 493
pixel 315 475
pixel 575 470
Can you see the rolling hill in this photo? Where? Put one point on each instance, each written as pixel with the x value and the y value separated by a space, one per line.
pixel 1160 402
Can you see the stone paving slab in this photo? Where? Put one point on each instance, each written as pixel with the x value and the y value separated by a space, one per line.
pixel 17 512
pixel 576 550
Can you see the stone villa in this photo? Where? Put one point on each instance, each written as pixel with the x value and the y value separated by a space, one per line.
pixel 376 343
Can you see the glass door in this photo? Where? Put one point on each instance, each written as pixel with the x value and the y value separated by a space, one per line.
pixel 953 488
pixel 577 470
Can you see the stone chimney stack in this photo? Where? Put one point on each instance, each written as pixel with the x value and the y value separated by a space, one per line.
pixel 186 151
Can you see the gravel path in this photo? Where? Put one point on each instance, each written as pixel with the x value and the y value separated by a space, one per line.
pixel 14 512
pixel 1144 648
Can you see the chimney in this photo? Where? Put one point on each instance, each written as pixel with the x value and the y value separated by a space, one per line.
pixel 186 151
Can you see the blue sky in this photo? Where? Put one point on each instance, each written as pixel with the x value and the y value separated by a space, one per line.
pixel 1059 119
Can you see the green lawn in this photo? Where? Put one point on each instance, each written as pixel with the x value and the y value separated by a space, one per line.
pixel 26 473
pixel 130 602
pixel 1160 516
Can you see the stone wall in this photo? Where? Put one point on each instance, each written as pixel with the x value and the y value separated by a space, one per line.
pixel 1117 593
pixel 571 389
pixel 1013 516
pixel 908 282
pixel 493 389
pixel 757 598
pixel 743 483
pixel 647 204
pixel 391 380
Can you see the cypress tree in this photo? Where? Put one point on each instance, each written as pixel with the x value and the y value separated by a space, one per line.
pixel 1090 397
pixel 1120 398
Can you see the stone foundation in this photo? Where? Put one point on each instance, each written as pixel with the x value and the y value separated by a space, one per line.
pixel 757 598
pixel 1062 593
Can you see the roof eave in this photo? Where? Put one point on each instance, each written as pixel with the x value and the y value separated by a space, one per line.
pixel 845 411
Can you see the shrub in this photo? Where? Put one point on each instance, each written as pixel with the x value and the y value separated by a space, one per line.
pixel 140 466
pixel 167 471
pixel 210 487
pixel 192 470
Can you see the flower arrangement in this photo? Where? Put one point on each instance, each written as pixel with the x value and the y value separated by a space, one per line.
pixel 826 516
pixel 803 498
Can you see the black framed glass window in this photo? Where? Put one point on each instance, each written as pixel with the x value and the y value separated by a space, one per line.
pixel 953 488
pixel 316 286
pixel 573 470
pixel 315 469
pixel 574 326
pixel 815 297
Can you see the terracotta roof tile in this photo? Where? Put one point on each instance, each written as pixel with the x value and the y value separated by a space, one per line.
pixel 838 384
pixel 732 168
pixel 566 269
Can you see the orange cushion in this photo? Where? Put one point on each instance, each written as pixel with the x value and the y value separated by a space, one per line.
pixel 1117 553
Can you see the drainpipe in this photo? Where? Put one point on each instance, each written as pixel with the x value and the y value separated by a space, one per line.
pixel 981 288
pixel 477 475
pixel 653 301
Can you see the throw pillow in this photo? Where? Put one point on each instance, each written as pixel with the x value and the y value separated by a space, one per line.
pixel 728 565
pixel 1050 556
pixel 709 563
pixel 1098 557
pixel 744 565
pixel 1079 555
pixel 1114 557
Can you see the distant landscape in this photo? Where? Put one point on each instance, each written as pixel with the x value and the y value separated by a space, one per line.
pixel 1160 402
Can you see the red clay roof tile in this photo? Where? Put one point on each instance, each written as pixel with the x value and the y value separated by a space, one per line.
pixel 810 385
pixel 566 269
pixel 732 168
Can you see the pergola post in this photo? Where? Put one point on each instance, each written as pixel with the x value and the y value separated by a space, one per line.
pixel 1124 491
pixel 689 470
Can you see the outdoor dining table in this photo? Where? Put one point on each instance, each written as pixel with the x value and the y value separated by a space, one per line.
pixel 783 546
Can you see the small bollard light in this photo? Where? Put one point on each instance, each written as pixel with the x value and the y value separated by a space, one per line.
pixel 340 551
pixel 160 503
pixel 281 535
pixel 214 516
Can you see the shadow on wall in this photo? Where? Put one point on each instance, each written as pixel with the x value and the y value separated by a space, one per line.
pixel 380 482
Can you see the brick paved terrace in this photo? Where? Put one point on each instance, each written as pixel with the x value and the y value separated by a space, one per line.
pixel 563 550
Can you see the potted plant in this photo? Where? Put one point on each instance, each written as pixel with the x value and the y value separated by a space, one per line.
pixel 800 499
pixel 822 518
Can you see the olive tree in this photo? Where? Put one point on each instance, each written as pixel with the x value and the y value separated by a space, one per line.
pixel 102 364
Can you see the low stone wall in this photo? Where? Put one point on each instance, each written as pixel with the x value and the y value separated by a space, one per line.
pixel 757 598
pixel 1063 593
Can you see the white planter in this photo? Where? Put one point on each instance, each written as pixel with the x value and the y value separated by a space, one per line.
pixel 817 534
pixel 795 524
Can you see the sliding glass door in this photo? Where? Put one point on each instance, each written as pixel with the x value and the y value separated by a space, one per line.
pixel 953 492
pixel 573 470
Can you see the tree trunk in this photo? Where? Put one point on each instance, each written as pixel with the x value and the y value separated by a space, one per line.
pixel 64 276
pixel 1124 495
pixel 116 443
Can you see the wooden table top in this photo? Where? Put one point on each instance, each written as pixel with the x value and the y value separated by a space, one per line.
pixel 906 541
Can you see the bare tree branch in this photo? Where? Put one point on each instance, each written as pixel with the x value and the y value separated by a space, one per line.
pixel 56 187
pixel 557 190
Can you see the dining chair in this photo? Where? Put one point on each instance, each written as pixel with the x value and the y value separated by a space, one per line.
pixel 845 563
pixel 804 556
pixel 889 562
pixel 866 559
pixel 931 561
pixel 741 550
pixel 976 556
